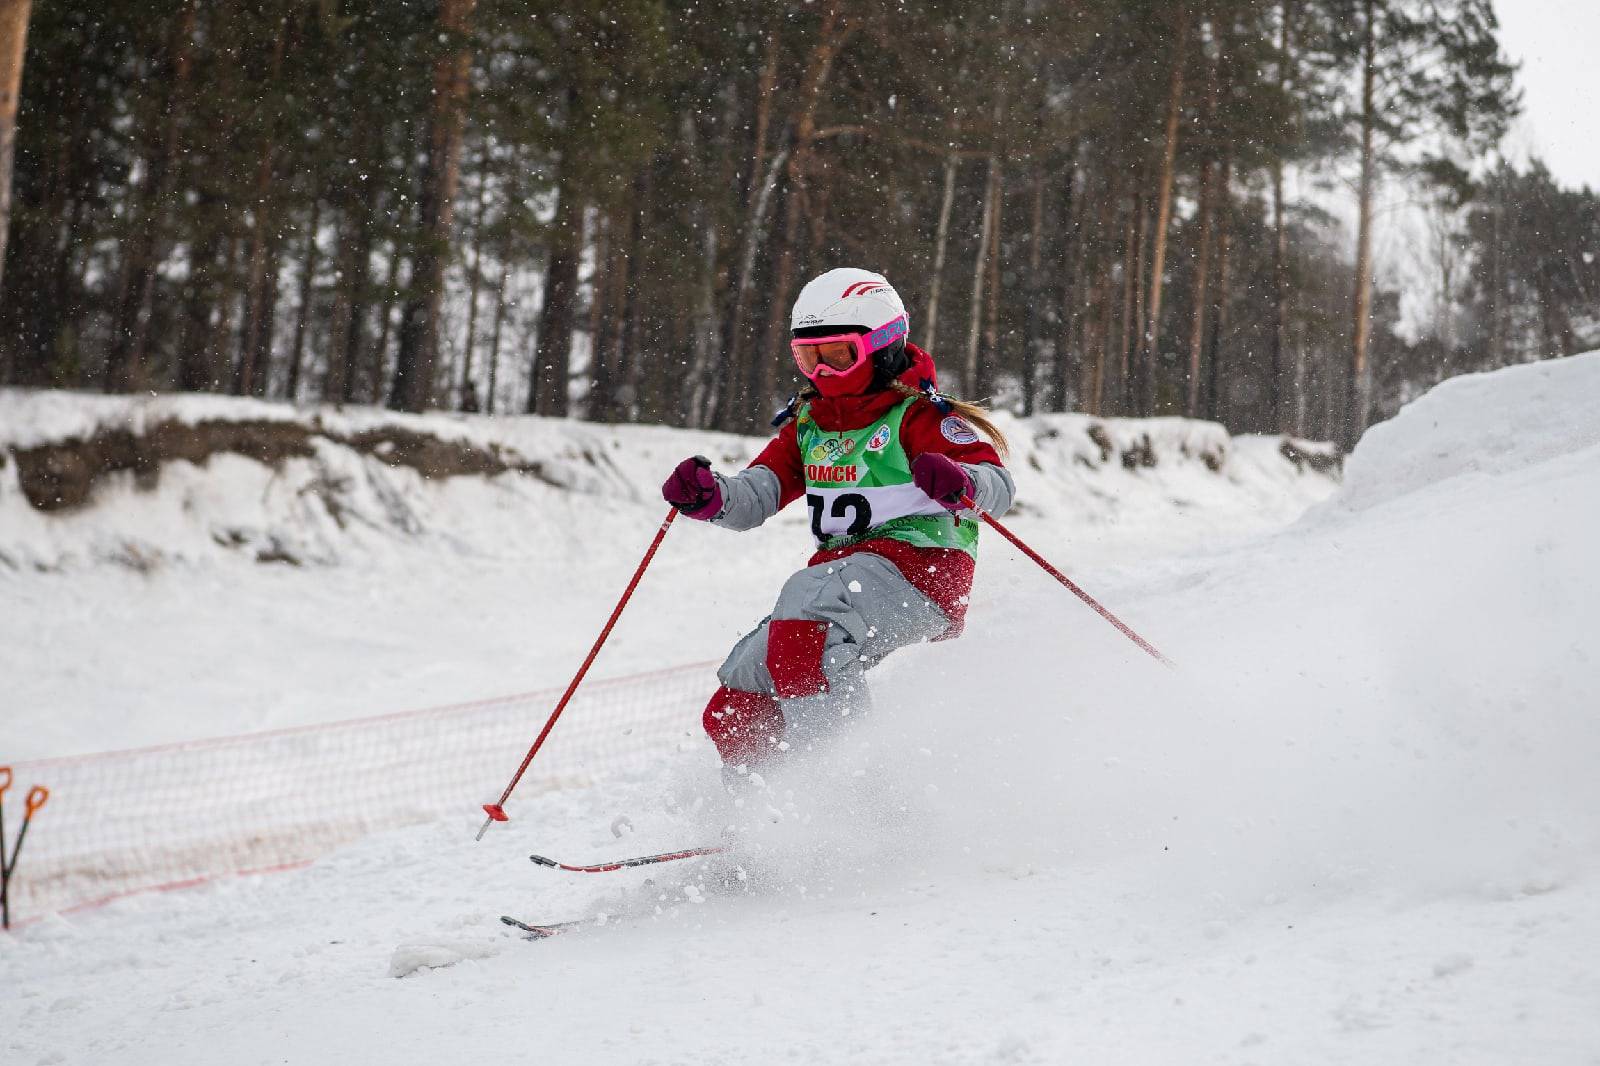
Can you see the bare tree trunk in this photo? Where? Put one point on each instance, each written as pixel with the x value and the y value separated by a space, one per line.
pixel 1360 384
pixel 308 276
pixel 991 329
pixel 1497 294
pixel 1030 339
pixel 356 272
pixel 763 383
pixel 1202 269
pixel 1107 301
pixel 267 325
pixel 197 371
pixel 216 342
pixel 248 379
pixel 726 408
pixel 552 357
pixel 1219 313
pixel 764 96
pixel 57 232
pixel 469 388
pixel 1193 402
pixel 1097 333
pixel 625 309
pixel 1072 270
pixel 1134 306
pixel 706 330
pixel 251 379
pixel 602 287
pixel 14 16
pixel 419 328
pixel 494 333
pixel 980 271
pixel 1151 341
pixel 378 357
pixel 145 248
pixel 1100 295
pixel 941 242
pixel 1280 247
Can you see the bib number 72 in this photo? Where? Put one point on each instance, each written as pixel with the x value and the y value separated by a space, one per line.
pixel 852 503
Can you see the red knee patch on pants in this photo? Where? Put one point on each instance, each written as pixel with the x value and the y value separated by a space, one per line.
pixel 794 656
pixel 745 726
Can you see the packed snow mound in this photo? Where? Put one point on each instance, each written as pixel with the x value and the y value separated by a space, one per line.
pixel 148 481
pixel 1490 423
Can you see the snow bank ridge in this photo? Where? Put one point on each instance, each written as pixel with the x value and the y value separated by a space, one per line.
pixel 1483 424
pixel 150 481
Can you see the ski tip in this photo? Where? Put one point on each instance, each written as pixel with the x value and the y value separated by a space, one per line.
pixel 542 861
pixel 533 932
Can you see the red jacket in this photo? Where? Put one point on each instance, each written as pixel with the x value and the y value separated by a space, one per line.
pixel 944 575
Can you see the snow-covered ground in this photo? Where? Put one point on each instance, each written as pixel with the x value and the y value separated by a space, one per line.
pixel 1359 822
pixel 143 616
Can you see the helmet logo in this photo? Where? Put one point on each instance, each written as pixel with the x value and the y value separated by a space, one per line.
pixel 862 288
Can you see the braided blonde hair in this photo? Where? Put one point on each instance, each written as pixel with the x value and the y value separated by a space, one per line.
pixel 975 413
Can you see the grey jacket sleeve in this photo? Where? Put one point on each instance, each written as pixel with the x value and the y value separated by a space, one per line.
pixel 995 489
pixel 749 498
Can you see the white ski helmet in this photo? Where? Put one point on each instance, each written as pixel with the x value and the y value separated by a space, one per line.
pixel 847 297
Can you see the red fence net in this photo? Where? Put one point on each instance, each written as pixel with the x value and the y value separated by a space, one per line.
pixel 123 821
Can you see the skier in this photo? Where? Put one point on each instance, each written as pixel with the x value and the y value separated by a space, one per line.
pixel 883 460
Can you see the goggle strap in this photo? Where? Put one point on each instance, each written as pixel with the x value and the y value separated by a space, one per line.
pixel 887 334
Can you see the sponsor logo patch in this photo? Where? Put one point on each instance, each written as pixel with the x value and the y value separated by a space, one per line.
pixel 879 440
pixel 957 431
pixel 818 474
pixel 825 451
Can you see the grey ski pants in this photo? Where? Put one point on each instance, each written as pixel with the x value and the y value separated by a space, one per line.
pixel 832 623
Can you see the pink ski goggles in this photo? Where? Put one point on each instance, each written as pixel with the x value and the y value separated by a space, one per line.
pixel 841 353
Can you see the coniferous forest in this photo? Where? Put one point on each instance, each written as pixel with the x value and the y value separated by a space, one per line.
pixel 604 208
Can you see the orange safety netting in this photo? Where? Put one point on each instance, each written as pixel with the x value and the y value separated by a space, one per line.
pixel 124 821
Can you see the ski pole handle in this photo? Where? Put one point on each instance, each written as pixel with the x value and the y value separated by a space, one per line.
pixel 5 780
pixel 36 797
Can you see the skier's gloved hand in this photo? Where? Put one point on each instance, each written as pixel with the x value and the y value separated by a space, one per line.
pixel 942 478
pixel 692 489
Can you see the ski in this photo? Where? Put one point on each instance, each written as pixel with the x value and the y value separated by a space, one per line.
pixel 545 930
pixel 623 864
pixel 542 932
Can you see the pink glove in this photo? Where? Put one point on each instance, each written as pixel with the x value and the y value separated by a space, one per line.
pixel 943 479
pixel 692 489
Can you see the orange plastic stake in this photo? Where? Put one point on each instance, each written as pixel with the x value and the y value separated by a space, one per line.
pixel 37 795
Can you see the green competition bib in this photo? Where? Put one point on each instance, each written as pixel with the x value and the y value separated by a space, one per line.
pixel 859 487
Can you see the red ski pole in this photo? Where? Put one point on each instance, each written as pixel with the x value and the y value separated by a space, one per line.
pixel 496 811
pixel 5 874
pixel 1122 627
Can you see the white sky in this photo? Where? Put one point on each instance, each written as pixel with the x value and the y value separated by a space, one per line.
pixel 1556 42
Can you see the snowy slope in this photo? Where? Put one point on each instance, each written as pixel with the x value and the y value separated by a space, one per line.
pixel 1360 823
pixel 386 588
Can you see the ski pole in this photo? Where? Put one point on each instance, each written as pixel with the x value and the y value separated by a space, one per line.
pixel 5 873
pixel 1122 627
pixel 496 811
pixel 36 797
